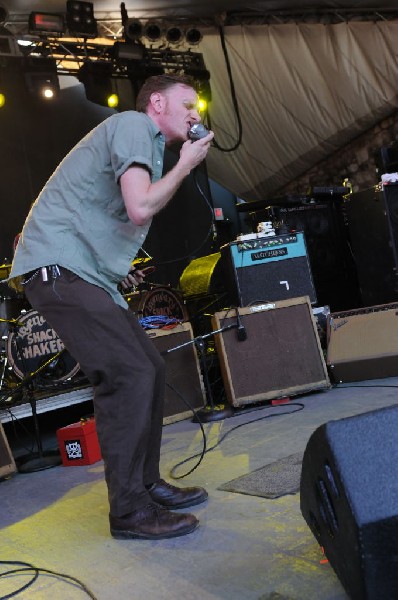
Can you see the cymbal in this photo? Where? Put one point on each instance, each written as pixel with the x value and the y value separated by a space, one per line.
pixel 4 271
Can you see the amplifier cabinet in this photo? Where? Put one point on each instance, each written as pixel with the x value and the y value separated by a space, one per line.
pixel 7 462
pixel 281 355
pixel 268 269
pixel 363 343
pixel 183 374
pixel 372 217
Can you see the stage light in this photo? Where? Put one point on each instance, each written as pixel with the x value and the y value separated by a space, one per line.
pixel 193 36
pixel 9 46
pixel 202 105
pixel 174 35
pixel 46 23
pixel 133 29
pixel 202 81
pixel 3 14
pixel 2 100
pixel 128 51
pixel 41 77
pixel 153 31
pixel 80 19
pixel 113 101
pixel 47 92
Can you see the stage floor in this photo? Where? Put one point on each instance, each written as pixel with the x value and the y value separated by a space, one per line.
pixel 246 547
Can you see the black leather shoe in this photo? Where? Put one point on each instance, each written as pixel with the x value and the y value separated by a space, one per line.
pixel 152 523
pixel 169 496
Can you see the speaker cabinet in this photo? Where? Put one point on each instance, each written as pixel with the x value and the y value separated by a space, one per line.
pixel 373 227
pixel 267 269
pixel 349 499
pixel 322 220
pixel 183 376
pixel 7 463
pixel 362 343
pixel 281 355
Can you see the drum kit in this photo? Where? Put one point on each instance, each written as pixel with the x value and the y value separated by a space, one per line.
pixel 29 346
pixel 30 350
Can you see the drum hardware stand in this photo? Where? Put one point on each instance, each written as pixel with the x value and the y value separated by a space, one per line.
pixel 210 412
pixel 40 460
pixel 5 362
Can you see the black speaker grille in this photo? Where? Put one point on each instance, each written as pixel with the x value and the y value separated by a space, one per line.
pixel 277 280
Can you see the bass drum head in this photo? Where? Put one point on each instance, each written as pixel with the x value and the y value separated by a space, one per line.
pixel 31 343
pixel 163 301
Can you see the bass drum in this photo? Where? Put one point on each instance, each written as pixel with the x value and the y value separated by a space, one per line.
pixel 158 301
pixel 31 343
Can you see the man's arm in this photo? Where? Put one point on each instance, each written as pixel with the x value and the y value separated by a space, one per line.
pixel 144 199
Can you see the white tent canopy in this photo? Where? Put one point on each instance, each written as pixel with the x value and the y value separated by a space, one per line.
pixel 304 89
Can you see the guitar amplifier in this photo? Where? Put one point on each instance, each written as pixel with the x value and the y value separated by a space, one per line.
pixel 280 356
pixel 363 343
pixel 183 375
pixel 267 269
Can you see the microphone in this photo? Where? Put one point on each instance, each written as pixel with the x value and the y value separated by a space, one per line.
pixel 197 131
pixel 241 329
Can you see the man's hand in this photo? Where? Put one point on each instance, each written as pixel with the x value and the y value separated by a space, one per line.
pixel 144 199
pixel 133 278
pixel 195 152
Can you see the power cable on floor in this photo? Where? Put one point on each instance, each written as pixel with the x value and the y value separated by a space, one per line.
pixel 205 450
pixel 24 567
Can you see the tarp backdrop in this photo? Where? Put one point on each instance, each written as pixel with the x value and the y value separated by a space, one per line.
pixel 303 92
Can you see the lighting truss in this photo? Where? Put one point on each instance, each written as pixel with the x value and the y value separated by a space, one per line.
pixel 110 24
pixel 71 54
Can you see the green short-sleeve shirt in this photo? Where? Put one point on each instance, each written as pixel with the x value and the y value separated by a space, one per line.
pixel 79 221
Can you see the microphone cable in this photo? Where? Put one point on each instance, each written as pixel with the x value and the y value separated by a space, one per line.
pixel 210 231
pixel 205 450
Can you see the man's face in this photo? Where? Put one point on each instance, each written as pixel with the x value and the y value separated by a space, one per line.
pixel 180 112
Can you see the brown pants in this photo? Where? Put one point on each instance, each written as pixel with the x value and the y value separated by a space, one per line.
pixel 126 372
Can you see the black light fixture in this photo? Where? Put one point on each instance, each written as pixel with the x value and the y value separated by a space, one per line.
pixel 153 31
pixel 3 14
pixel 97 80
pixel 133 29
pixel 41 77
pixel 174 35
pixel 80 19
pixel 128 51
pixel 9 46
pixel 46 23
pixel 193 36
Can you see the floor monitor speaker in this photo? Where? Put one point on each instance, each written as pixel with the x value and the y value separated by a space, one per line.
pixel 280 356
pixel 349 499
pixel 183 375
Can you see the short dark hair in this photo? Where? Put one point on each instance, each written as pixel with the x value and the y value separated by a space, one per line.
pixel 160 83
